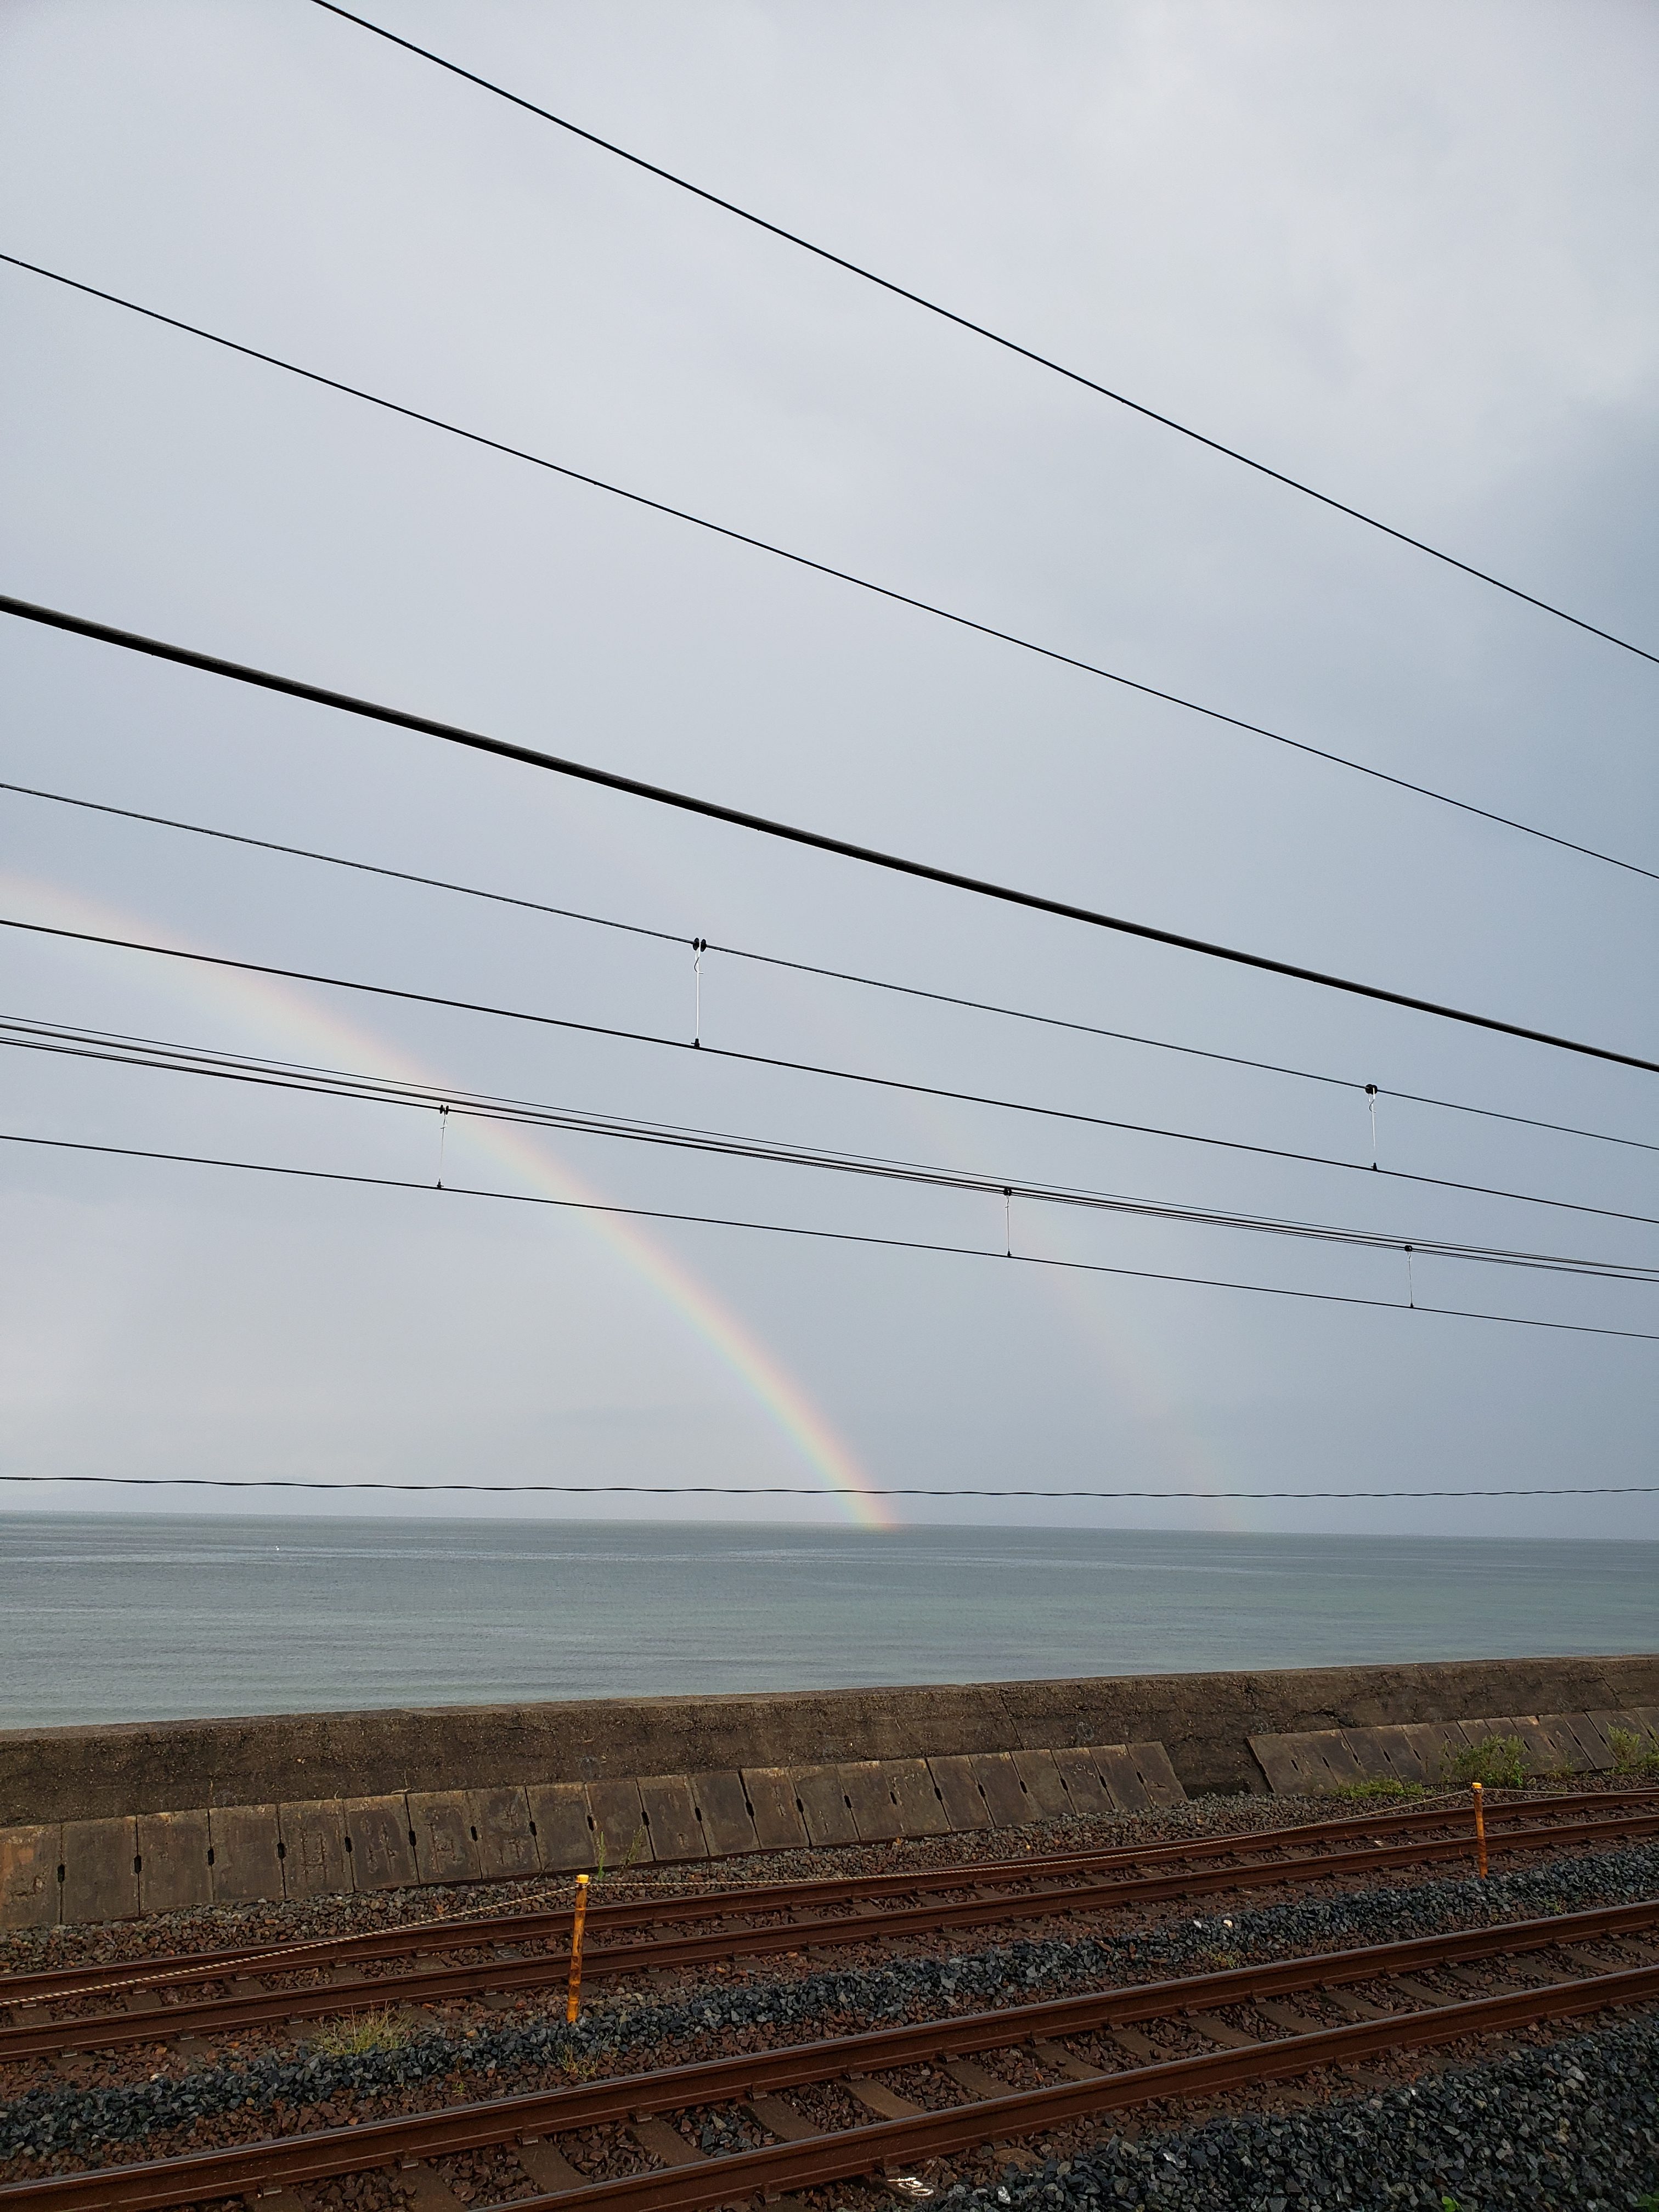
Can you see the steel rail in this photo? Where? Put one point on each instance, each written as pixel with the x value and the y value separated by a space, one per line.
pixel 863 2150
pixel 48 1984
pixel 219 2015
pixel 195 2177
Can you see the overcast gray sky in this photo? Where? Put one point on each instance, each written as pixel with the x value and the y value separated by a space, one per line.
pixel 1405 252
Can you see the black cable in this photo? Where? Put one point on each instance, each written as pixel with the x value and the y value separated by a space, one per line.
pixel 785 1489
pixel 820 1235
pixel 831 974
pixel 813 1067
pixel 839 575
pixel 814 840
pixel 159 1057
pixel 980 330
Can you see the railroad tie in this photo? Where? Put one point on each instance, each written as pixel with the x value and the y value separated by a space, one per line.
pixel 976 2080
pixel 1059 2060
pixel 1585 1962
pixel 1355 2007
pixel 1424 1993
pixel 1493 1982
pixel 1285 2016
pixel 660 2139
pixel 548 2168
pixel 1132 2041
pixel 779 2117
pixel 1214 2029
pixel 426 2189
pixel 876 2097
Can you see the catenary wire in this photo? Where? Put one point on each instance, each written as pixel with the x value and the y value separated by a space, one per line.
pixel 983 331
pixel 792 1489
pixel 791 833
pixel 831 974
pixel 890 593
pixel 813 1235
pixel 816 1068
pixel 159 1057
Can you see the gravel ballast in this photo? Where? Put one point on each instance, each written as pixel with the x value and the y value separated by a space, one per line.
pixel 1573 2128
pixel 56 2125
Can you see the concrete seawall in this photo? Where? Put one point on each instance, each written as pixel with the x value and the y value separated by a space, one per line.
pixel 1204 1721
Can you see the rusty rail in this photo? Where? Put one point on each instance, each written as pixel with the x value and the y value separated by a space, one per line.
pixel 216 2015
pixel 656 1911
pixel 198 2177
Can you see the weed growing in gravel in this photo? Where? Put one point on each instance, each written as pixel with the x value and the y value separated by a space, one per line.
pixel 1370 1793
pixel 1497 1761
pixel 1635 1753
pixel 361 2033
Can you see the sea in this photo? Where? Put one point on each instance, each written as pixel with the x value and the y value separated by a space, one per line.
pixel 115 1618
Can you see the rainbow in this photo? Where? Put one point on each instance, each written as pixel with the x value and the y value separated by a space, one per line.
pixel 313 1033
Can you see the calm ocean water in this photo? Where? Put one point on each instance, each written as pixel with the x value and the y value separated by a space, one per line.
pixel 105 1619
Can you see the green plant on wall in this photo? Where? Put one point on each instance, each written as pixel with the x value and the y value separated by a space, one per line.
pixel 1497 1762
pixel 635 1852
pixel 1634 1752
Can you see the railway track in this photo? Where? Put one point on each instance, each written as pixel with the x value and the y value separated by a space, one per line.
pixel 1060 2062
pixel 658 1909
pixel 525 1953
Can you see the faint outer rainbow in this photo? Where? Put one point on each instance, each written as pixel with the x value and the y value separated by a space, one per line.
pixel 314 1033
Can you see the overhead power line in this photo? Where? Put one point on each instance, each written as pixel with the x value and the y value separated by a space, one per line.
pixel 786 1489
pixel 840 575
pixel 710 1051
pixel 983 331
pixel 814 840
pixel 832 975
pixel 158 1056
pixel 812 1235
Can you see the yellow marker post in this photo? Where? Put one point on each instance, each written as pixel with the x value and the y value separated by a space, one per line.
pixel 573 2003
pixel 1480 1835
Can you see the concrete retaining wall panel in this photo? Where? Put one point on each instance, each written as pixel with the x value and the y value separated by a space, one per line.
pixel 619 1823
pixel 244 1860
pixel 445 1848
pixel 965 1805
pixel 563 1829
pixel 671 1813
pixel 1002 1790
pixel 499 1824
pixel 1086 1794
pixel 1120 1773
pixel 823 1801
pixel 919 1800
pixel 1045 1792
pixel 29 1860
pixel 724 1810
pixel 775 1804
pixel 379 1842
pixel 173 1860
pixel 315 1861
pixel 1157 1775
pixel 100 1870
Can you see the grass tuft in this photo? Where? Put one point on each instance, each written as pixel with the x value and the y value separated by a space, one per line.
pixel 362 2032
pixel 1371 1793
